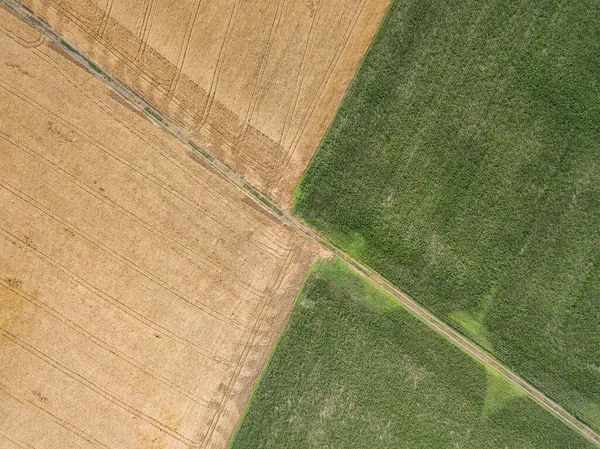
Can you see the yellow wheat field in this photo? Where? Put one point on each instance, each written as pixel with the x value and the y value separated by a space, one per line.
pixel 140 293
pixel 256 82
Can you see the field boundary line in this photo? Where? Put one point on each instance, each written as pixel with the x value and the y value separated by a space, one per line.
pixel 295 224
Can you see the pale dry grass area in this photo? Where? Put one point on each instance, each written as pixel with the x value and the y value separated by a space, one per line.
pixel 256 82
pixel 140 292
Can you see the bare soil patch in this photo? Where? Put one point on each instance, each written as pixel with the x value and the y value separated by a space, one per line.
pixel 139 294
pixel 256 82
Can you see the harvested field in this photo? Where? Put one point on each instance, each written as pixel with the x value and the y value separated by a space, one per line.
pixel 256 82
pixel 140 293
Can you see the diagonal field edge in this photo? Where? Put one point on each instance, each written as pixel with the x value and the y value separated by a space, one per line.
pixel 230 175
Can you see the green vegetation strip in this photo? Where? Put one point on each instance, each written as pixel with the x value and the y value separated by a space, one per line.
pixel 69 47
pixel 201 151
pixel 94 66
pixel 74 50
pixel 157 116
pixel 263 200
pixel 464 166
pixel 354 369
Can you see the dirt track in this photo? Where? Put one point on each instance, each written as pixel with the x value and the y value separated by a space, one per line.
pixel 140 292
pixel 257 83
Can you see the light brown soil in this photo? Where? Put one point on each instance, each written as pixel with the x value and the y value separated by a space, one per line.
pixel 256 82
pixel 140 293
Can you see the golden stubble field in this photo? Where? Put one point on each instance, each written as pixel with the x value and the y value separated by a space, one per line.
pixel 140 293
pixel 256 82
